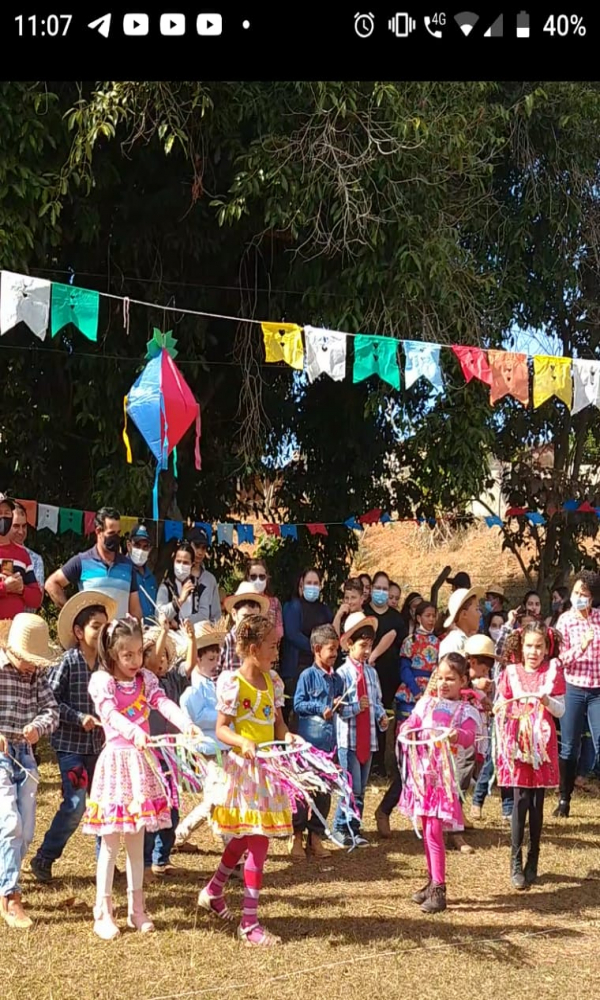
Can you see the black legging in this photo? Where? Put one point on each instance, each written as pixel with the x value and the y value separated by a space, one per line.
pixel 527 800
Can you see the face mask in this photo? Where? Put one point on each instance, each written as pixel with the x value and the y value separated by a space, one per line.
pixel 112 543
pixel 579 603
pixel 488 606
pixel 311 593
pixel 259 586
pixel 557 605
pixel 139 557
pixel 379 597
pixel 495 634
pixel 5 526
pixel 182 571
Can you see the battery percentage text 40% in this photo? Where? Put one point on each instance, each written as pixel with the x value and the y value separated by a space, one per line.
pixel 565 24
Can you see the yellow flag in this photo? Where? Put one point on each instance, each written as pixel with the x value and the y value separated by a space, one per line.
pixel 127 524
pixel 283 342
pixel 552 377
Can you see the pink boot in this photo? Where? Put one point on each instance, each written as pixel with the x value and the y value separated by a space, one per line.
pixel 104 925
pixel 137 918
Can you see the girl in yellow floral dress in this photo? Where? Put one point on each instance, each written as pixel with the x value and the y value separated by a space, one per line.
pixel 244 806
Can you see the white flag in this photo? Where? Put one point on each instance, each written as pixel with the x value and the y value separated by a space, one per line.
pixel 47 517
pixel 24 299
pixel 586 382
pixel 325 353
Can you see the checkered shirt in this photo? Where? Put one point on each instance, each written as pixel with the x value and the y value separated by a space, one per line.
pixel 69 682
pixel 582 667
pixel 346 717
pixel 229 659
pixel 25 700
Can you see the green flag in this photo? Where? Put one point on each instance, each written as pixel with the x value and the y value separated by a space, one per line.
pixel 376 356
pixel 78 306
pixel 70 520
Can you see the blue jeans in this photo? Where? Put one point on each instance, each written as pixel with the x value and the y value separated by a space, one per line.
pixel 158 846
pixel 359 774
pixel 76 772
pixel 18 792
pixel 482 787
pixel 578 702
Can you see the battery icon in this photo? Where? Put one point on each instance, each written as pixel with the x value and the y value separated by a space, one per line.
pixel 523 24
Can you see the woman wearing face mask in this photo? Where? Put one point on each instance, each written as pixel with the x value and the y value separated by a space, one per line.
pixel 580 658
pixel 494 624
pixel 179 593
pixel 560 604
pixel 301 615
pixel 385 657
pixel 258 575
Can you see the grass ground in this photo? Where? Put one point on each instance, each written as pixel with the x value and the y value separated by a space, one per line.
pixel 348 926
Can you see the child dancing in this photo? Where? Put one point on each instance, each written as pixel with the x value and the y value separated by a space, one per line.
pixel 530 696
pixel 127 795
pixel 430 793
pixel 244 806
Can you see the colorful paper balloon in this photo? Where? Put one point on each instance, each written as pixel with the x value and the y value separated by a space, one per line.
pixel 162 406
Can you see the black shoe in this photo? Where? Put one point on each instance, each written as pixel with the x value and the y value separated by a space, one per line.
pixel 563 809
pixel 517 877
pixel 436 900
pixel 531 867
pixel 422 894
pixel 41 869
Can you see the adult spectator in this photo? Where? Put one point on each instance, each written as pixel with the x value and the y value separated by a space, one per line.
pixel 19 535
pixel 395 595
pixel 460 581
pixel 560 604
pixel 408 611
pixel 494 599
pixel 209 608
pixel 258 575
pixel 385 656
pixel 301 615
pixel 580 657
pixel 139 548
pixel 185 596
pixel 367 583
pixel 103 568
pixel 19 590
pixel 463 620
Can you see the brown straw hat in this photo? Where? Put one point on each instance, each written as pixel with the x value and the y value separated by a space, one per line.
pixel 27 638
pixel 209 634
pixel 68 614
pixel 151 637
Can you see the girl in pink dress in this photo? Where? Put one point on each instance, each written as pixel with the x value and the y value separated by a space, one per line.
pixel 127 794
pixel 531 691
pixel 430 793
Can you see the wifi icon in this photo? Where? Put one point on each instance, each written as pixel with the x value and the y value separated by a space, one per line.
pixel 466 21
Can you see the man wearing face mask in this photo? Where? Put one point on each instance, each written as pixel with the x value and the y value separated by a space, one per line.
pixel 139 548
pixel 102 568
pixel 18 587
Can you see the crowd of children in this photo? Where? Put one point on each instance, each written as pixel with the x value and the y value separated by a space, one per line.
pixel 476 698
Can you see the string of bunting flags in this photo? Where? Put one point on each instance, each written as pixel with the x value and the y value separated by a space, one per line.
pixel 40 303
pixel 60 520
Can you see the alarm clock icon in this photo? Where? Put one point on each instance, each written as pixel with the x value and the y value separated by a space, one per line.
pixel 364 25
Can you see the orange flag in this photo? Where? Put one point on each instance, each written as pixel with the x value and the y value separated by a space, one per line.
pixel 510 376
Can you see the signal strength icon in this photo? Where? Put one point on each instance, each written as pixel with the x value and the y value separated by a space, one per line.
pixel 466 21
pixel 496 30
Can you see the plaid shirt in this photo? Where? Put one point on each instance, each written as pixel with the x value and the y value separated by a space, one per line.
pixel 582 667
pixel 25 700
pixel 69 682
pixel 346 717
pixel 229 659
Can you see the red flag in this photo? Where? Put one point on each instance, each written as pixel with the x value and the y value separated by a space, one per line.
pixel 474 363
pixel 317 529
pixel 89 518
pixel 371 517
pixel 30 508
pixel 586 508
pixel 274 530
pixel 516 511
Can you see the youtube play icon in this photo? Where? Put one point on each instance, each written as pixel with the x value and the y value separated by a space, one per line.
pixel 172 24
pixel 209 24
pixel 136 24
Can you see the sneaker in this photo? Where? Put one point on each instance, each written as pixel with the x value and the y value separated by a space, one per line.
pixel 12 912
pixel 383 824
pixel 436 900
pixel 422 894
pixel 476 812
pixel 341 839
pixel 167 869
pixel 360 842
pixel 41 869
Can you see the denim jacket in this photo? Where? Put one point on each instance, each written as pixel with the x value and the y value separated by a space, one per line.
pixel 315 692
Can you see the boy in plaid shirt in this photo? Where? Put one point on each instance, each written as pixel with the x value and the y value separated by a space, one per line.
pixel 28 711
pixel 78 739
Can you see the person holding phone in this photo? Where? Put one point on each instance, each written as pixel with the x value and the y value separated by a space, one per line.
pixel 19 589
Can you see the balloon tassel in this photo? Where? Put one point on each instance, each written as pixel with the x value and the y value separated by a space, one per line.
pixel 125 435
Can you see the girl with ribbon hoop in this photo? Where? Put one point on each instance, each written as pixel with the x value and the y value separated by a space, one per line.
pixel 531 694
pixel 429 738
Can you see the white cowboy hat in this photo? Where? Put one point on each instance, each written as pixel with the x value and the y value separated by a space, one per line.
pixel 68 614
pixel 480 645
pixel 247 592
pixel 27 637
pixel 209 634
pixel 354 622
pixel 457 600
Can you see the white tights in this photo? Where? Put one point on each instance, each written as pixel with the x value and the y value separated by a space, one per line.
pixel 105 872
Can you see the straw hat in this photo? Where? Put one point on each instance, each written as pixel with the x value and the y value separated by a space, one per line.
pixel 68 614
pixel 27 638
pixel 495 589
pixel 480 645
pixel 151 637
pixel 457 600
pixel 245 593
pixel 208 634
pixel 354 622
